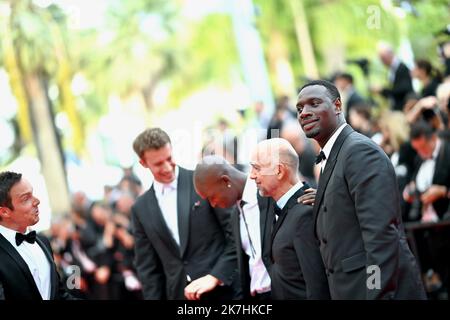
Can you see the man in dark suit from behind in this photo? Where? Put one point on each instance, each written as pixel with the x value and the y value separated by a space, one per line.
pixel 297 270
pixel 183 247
pixel 224 186
pixel 27 269
pixel 357 216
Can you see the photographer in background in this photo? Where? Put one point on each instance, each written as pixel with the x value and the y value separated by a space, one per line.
pixel 429 186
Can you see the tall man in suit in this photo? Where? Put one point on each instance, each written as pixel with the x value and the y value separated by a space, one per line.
pixel 297 271
pixel 223 186
pixel 400 81
pixel 27 269
pixel 184 248
pixel 357 209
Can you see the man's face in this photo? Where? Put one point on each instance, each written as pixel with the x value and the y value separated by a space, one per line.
pixel 386 58
pixel 216 191
pixel 160 163
pixel 424 147
pixel 25 210
pixel 264 171
pixel 317 113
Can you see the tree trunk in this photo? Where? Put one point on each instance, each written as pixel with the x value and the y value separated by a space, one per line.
pixel 304 39
pixel 47 144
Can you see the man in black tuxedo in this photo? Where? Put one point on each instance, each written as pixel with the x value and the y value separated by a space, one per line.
pixel 399 78
pixel 183 247
pixel 431 178
pixel 27 269
pixel 357 216
pixel 223 186
pixel 297 270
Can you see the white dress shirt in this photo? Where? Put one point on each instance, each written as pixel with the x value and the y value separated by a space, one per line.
pixel 424 180
pixel 329 145
pixel 166 194
pixel 36 260
pixel 259 277
pixel 285 198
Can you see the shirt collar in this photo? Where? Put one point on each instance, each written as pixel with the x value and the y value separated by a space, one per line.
pixel 173 185
pixel 10 234
pixel 285 198
pixel 329 145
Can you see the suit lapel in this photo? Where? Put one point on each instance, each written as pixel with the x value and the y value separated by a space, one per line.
pixel 329 167
pixel 291 202
pixel 17 258
pixel 158 221
pixel 53 274
pixel 184 191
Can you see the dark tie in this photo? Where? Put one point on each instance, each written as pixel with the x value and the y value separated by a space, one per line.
pixel 320 157
pixel 252 248
pixel 30 237
pixel 277 210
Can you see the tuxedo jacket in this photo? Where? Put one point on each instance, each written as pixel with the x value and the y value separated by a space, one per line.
pixel 206 243
pixel 297 271
pixel 265 219
pixel 16 280
pixel 441 175
pixel 358 223
pixel 400 88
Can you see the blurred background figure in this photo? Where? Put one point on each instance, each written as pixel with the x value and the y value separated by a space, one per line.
pixel 429 77
pixel 350 97
pixel 399 78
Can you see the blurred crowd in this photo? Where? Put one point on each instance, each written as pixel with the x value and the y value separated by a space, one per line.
pixel 413 128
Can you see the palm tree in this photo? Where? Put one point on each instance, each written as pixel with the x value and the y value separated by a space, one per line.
pixel 29 54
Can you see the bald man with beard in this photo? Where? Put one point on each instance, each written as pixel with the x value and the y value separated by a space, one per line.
pixel 297 270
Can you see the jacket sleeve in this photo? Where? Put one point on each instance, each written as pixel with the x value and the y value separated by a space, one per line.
pixel 309 257
pixel 373 187
pixel 148 265
pixel 226 266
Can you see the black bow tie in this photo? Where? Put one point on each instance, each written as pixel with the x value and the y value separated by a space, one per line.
pixel 30 237
pixel 320 157
pixel 277 210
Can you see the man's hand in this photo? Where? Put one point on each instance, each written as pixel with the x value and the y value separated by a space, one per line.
pixel 433 193
pixel 308 197
pixel 197 287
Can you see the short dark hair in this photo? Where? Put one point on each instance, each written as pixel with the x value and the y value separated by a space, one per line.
pixel 331 88
pixel 7 180
pixel 345 76
pixel 421 129
pixel 153 138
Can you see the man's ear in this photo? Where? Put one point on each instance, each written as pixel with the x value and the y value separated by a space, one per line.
pixel 226 179
pixel 338 105
pixel 142 162
pixel 282 171
pixel 4 212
